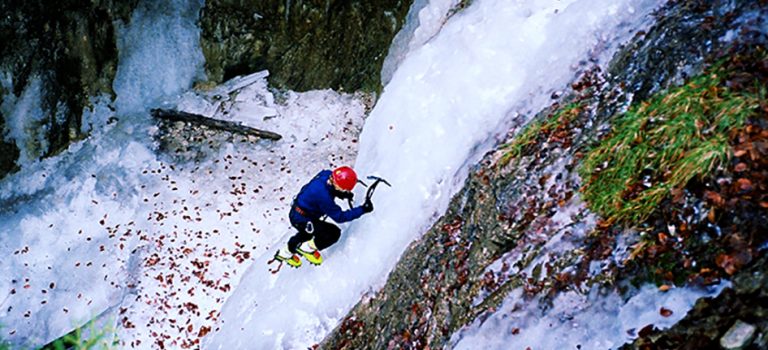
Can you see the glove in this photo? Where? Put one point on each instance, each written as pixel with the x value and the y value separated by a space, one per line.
pixel 367 206
pixel 345 195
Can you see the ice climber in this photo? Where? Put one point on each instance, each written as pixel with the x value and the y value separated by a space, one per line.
pixel 315 202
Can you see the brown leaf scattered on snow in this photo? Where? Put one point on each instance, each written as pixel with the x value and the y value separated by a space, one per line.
pixel 203 331
pixel 665 312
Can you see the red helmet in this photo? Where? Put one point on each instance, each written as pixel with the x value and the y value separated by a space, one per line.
pixel 345 178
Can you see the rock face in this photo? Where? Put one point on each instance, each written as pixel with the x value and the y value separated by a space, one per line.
pixel 494 236
pixel 304 44
pixel 70 47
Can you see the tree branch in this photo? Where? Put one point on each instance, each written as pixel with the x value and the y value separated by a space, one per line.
pixel 224 125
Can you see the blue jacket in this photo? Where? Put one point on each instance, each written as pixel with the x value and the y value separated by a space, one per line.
pixel 316 199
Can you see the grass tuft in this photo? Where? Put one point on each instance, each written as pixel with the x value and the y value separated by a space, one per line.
pixel 661 145
pixel 88 337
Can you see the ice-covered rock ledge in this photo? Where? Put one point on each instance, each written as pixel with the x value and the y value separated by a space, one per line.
pixel 514 262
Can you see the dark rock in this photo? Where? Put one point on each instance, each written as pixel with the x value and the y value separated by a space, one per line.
pixel 305 45
pixel 70 46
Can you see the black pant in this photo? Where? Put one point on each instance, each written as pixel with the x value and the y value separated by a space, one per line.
pixel 325 234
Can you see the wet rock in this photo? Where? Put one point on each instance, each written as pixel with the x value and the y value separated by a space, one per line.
pixel 71 48
pixel 665 56
pixel 738 336
pixel 712 319
pixel 751 283
pixel 305 45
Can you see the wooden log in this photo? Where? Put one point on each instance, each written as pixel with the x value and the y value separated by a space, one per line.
pixel 234 127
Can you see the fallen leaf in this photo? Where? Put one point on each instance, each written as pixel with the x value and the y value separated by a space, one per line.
pixel 740 167
pixel 714 197
pixel 664 288
pixel 645 331
pixel 744 184
pixel 711 215
pixel 637 249
pixel 727 263
pixel 678 195
pixel 665 312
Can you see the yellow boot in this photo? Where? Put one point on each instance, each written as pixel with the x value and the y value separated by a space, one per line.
pixel 309 251
pixel 285 255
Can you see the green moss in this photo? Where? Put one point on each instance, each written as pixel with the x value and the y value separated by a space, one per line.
pixel 87 337
pixel 538 131
pixel 662 144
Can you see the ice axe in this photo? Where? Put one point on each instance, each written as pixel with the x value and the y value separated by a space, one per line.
pixel 369 193
pixel 376 181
